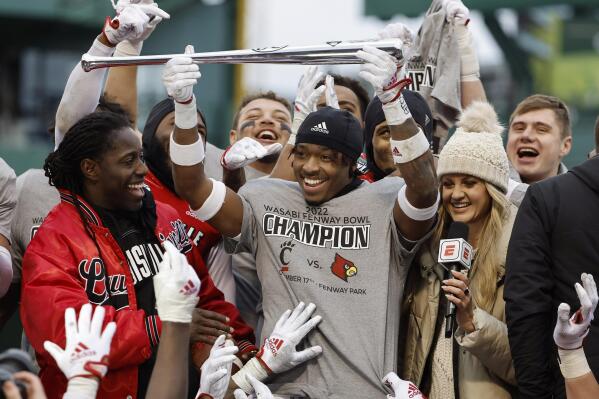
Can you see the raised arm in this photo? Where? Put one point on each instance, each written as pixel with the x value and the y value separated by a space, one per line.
pixel 209 199
pixel 305 102
pixel 569 334
pixel 471 86
pixel 414 211
pixel 83 89
pixel 177 287
pixel 8 203
pixel 121 82
pixel 84 369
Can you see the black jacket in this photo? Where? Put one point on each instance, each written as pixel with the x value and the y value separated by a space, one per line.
pixel 555 239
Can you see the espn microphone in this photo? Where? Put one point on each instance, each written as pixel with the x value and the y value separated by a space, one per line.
pixel 454 254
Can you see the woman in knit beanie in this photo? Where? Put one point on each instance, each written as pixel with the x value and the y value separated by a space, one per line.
pixel 473 170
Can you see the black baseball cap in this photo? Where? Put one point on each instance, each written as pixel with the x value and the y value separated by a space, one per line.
pixel 336 129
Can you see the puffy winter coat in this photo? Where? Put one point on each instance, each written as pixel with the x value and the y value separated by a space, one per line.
pixel 484 362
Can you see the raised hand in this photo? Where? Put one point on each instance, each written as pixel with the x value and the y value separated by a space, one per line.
pixel 330 94
pixel 382 71
pixel 306 98
pixel 245 151
pixel 179 76
pixel 87 347
pixel 397 31
pixel 176 286
pixel 456 12
pixel 569 331
pixel 134 21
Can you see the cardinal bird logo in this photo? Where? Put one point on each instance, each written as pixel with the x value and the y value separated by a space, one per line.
pixel 343 268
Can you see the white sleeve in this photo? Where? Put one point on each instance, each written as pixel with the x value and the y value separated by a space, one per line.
pixel 221 271
pixel 81 388
pixel 8 197
pixel 5 271
pixel 81 93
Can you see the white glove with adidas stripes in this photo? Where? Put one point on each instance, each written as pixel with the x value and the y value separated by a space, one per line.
pixel 245 151
pixel 176 286
pixel 87 346
pixel 84 360
pixel 402 389
pixel 278 354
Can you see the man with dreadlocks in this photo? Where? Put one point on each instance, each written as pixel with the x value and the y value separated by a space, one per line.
pixel 101 244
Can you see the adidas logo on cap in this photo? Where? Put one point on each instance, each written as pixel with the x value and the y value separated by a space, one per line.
pixel 321 127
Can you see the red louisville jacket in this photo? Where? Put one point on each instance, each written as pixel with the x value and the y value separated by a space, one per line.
pixel 63 267
pixel 203 237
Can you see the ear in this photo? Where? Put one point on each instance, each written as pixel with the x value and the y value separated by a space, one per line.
pixel 90 169
pixel 233 136
pixel 566 146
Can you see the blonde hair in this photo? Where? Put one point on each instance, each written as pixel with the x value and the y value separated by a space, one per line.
pixel 486 269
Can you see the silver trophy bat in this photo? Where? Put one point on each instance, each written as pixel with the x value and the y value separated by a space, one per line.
pixel 330 53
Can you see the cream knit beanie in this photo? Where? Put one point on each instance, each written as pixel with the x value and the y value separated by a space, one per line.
pixel 476 147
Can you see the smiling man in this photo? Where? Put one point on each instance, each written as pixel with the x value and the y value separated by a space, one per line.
pixel 340 236
pixel 101 244
pixel 540 136
pixel 264 117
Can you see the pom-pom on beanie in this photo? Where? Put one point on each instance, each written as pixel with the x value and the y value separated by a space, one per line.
pixel 476 147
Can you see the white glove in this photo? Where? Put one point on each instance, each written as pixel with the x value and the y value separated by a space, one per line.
pixel 180 75
pixel 278 353
pixel 87 347
pixel 330 94
pixel 456 12
pixel 144 5
pixel 381 70
pixel 245 151
pixel 176 286
pixel 570 331
pixel 261 391
pixel 307 96
pixel 401 389
pixel 132 22
pixel 216 370
pixel 397 31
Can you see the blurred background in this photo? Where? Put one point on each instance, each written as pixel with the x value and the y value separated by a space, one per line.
pixel 524 47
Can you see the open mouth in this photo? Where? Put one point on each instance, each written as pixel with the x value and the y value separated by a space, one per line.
pixel 267 135
pixel 312 184
pixel 527 153
pixel 136 189
pixel 460 205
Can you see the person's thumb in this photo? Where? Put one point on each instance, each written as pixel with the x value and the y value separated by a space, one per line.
pixel 273 148
pixel 189 49
pixel 54 350
pixel 563 313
